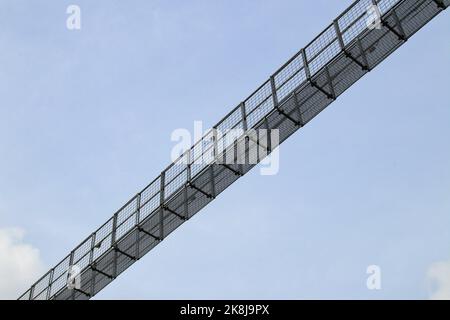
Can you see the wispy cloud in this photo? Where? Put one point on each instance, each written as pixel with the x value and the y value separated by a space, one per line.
pixel 438 277
pixel 20 263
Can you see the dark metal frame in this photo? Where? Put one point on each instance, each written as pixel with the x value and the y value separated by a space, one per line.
pixel 304 86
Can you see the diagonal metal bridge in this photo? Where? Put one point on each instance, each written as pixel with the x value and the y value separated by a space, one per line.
pixel 305 85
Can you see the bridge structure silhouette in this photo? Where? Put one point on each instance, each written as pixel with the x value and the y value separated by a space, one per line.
pixel 347 49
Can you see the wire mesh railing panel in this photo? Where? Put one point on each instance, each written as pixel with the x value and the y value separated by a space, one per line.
pixel 127 211
pixel 289 70
pixel 60 275
pixel 175 178
pixel 150 191
pixel 355 21
pixel 102 246
pixel 125 226
pixel 258 97
pixel 226 130
pixel 149 207
pixel 83 261
pixel 26 295
pixel 59 283
pixel 41 286
pixel 82 249
pixel 354 13
pixel 103 232
pixel 199 159
pixel 103 239
pixel 386 5
pixel 259 113
pixel 322 50
pixel 233 120
pixel 288 87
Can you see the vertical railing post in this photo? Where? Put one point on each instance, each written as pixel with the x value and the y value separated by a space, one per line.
pixel 244 116
pixel 189 165
pixel 216 153
pixel 299 110
pixel 113 244
pixel 91 263
pixel 269 140
pixel 72 254
pixel 337 29
pixel 161 205
pixel 50 280
pixel 137 221
pixel 186 186
pixel 274 92
pixel 245 137
pixel 32 292
pixel 211 165
pixel 215 144
pixel 91 253
pixel 113 230
pixel 306 65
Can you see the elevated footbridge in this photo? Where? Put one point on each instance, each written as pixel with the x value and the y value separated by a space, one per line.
pixel 355 43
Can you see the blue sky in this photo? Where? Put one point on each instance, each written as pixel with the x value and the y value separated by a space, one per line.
pixel 86 118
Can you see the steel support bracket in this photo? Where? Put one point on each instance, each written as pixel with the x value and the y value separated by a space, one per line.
pixel 93 268
pixel 166 208
pixel 140 229
pixel 116 248
pixel 193 186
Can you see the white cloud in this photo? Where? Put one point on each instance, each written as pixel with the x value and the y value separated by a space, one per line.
pixel 438 277
pixel 20 263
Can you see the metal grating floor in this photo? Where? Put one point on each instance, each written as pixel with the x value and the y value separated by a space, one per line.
pixel 304 86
